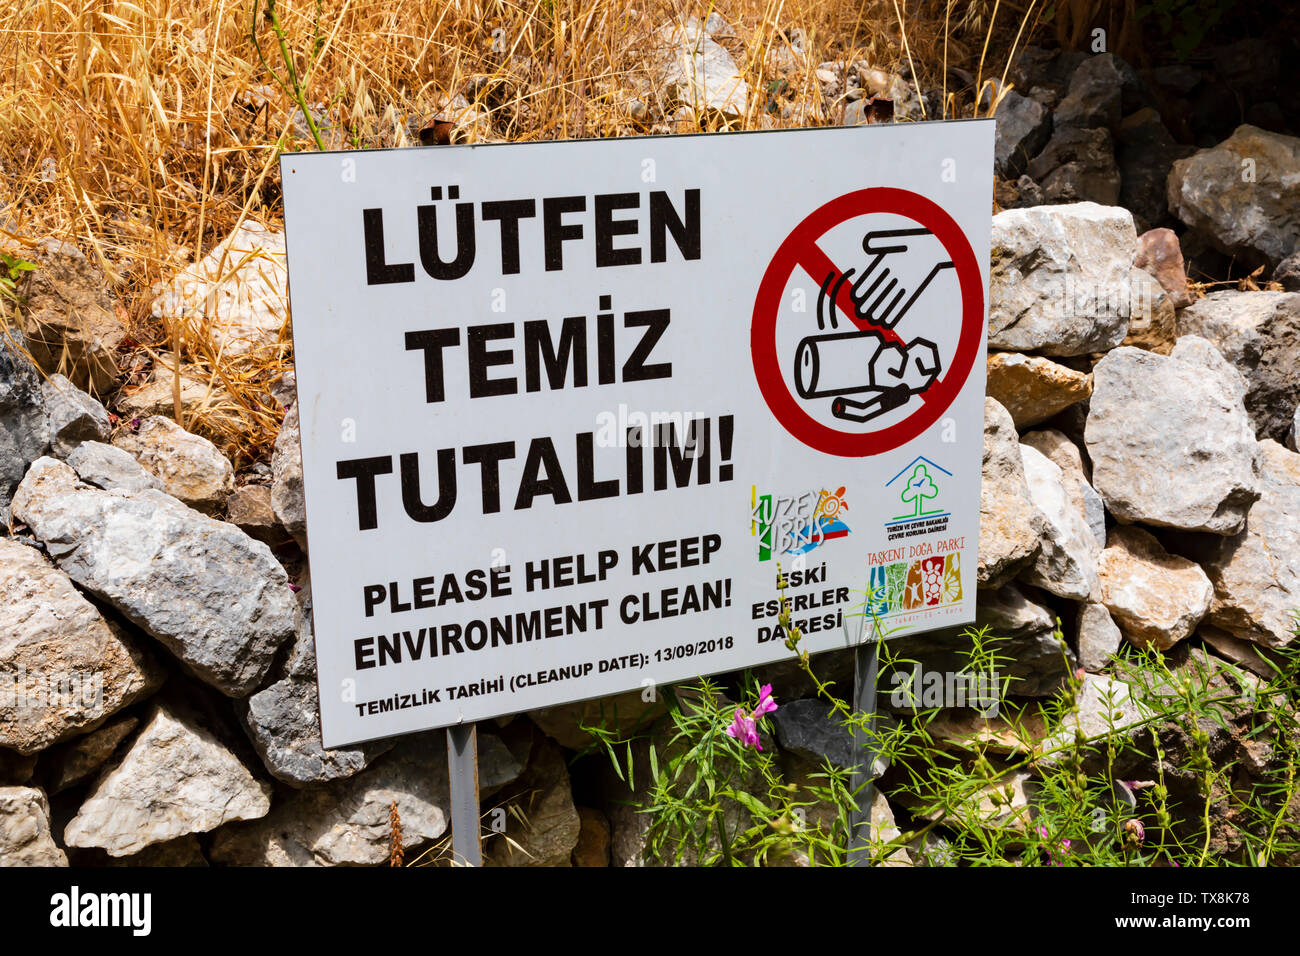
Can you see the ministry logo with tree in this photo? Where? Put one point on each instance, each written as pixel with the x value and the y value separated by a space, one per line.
pixel 919 489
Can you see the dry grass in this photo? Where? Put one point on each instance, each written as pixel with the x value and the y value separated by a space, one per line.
pixel 145 131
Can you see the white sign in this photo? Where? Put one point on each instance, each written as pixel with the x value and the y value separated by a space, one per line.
pixel 567 407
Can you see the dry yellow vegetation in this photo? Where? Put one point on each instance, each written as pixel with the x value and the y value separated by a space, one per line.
pixel 145 131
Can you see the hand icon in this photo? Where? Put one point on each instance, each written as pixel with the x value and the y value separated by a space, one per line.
pixel 901 264
pixel 879 289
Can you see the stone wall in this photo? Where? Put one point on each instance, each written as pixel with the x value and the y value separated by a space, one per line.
pixel 1141 485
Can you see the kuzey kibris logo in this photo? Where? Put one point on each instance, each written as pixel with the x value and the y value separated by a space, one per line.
pixel 798 524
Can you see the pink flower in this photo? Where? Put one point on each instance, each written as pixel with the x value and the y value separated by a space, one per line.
pixel 745 727
pixel 745 730
pixel 1063 848
pixel 1135 831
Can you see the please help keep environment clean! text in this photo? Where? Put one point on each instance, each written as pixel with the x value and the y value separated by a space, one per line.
pixel 567 408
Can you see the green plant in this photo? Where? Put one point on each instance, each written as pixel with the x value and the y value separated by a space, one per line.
pixel 296 84
pixel 14 267
pixel 1134 771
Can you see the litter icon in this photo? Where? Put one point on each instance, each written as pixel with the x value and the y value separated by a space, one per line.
pixel 869 360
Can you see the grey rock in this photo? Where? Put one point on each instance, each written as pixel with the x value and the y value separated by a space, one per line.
pixel 1157 598
pixel 1059 279
pixel 201 395
pixel 111 468
pixel 593 839
pixel 192 469
pixel 1288 273
pixel 1023 127
pixel 1078 165
pixel 1064 453
pixel 1152 319
pixel 1179 78
pixel 1241 195
pixel 25 838
pixel 348 822
pixel 69 321
pixel 717 26
pixel 1195 350
pixel 552 824
pixel 810 729
pixel 1103 706
pixel 1010 524
pixel 75 761
pixel 64 669
pixel 286 478
pixel 1149 417
pixel 176 779
pixel 283 722
pixel 1021 194
pixel 1256 574
pixel 693 70
pixel 884 831
pixel 1259 333
pixel 249 507
pixel 1031 194
pixel 1011 614
pixel 1097 636
pixel 239 289
pixel 23 429
pixel 1094 96
pixel 1066 564
pixel 1252 66
pixel 880 83
pixel 1038 66
pixel 215 597
pixel 71 416
pixel 861 110
pixel 998 727
pixel 498 764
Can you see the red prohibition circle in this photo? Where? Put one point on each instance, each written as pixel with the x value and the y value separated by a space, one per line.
pixel 802 241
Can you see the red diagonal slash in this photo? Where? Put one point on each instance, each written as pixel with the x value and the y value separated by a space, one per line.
pixel 798 250
pixel 818 265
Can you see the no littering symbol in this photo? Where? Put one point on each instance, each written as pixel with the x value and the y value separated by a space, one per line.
pixel 866 368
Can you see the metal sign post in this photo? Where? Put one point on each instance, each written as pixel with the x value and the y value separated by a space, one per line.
pixel 861 782
pixel 462 762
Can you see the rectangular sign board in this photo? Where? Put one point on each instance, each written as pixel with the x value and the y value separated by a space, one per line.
pixel 567 407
